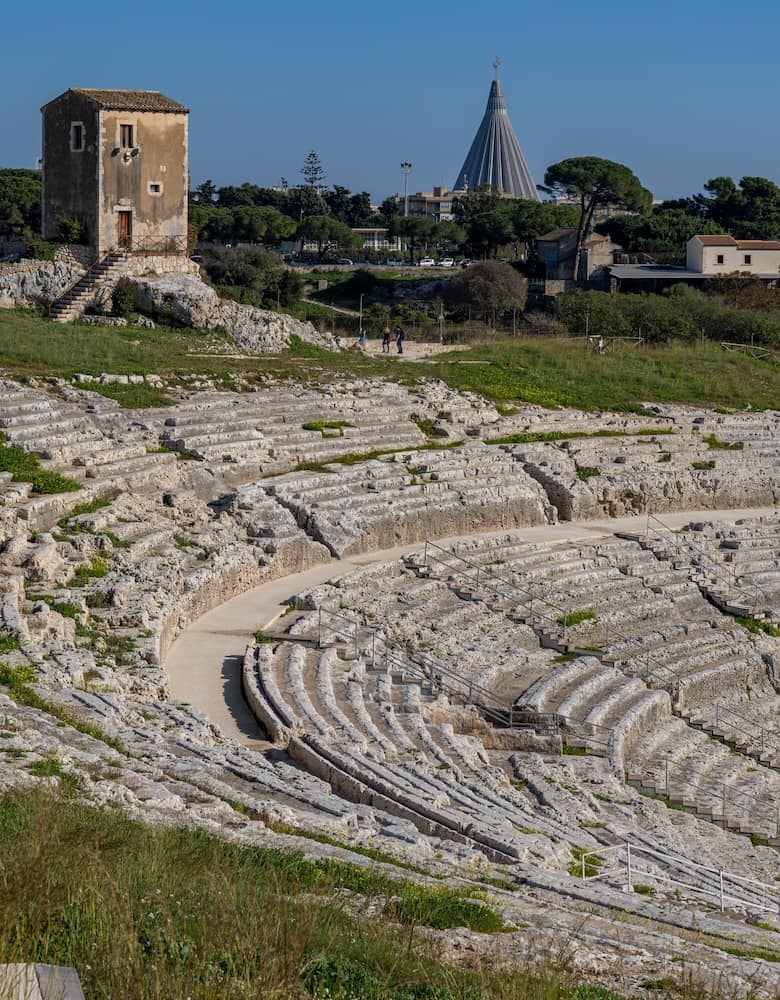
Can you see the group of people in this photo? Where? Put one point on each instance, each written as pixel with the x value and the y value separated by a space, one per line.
pixel 400 336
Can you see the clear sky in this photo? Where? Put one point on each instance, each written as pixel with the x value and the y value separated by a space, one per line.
pixel 679 91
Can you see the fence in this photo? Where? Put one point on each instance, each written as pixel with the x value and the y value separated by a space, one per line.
pixel 727 887
pixel 394 656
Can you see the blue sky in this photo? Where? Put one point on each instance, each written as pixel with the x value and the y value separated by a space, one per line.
pixel 680 92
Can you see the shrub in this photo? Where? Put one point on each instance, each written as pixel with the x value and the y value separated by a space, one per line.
pixel 41 250
pixel 25 468
pixel 123 298
pixel 71 230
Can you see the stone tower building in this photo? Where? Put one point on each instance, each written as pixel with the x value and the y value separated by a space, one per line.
pixel 116 161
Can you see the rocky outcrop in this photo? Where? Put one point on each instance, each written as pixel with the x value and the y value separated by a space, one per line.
pixel 35 282
pixel 185 300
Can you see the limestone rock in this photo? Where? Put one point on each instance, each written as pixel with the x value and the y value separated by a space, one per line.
pixel 35 282
pixel 185 300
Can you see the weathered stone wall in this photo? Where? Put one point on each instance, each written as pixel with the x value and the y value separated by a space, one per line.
pixel 35 282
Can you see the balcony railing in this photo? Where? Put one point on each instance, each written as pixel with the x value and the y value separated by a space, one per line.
pixel 158 246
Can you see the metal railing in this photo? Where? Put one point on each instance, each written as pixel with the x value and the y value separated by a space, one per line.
pixel 532 602
pixel 769 738
pixel 158 246
pixel 391 655
pixel 725 886
pixel 719 572
pixel 643 656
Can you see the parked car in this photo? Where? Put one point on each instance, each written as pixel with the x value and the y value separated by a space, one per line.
pixel 466 262
pixel 447 262
pixel 426 262
pixel 344 260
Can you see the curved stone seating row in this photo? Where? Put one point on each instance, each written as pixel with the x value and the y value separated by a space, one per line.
pixel 385 503
pixel 679 763
pixel 376 735
pixel 265 431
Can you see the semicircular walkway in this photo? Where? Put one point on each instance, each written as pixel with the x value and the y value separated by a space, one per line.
pixel 204 663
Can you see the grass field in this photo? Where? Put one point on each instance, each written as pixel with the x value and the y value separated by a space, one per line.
pixel 145 912
pixel 544 370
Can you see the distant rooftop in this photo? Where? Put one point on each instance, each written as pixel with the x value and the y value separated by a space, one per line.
pixel 129 100
pixel 724 240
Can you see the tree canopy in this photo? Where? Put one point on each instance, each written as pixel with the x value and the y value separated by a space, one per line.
pixel 20 201
pixel 594 182
pixel 489 289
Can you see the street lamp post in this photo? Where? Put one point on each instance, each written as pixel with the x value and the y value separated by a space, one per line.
pixel 360 309
pixel 406 167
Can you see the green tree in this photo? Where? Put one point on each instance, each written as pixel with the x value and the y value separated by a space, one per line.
pixel 312 171
pixel 487 232
pixel 327 232
pixel 449 235
pixel 389 209
pixel 489 288
pixel 477 201
pixel 750 211
pixel 664 231
pixel 415 229
pixel 20 201
pixel 595 182
pixel 205 193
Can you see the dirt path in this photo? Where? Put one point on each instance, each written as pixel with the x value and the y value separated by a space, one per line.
pixel 204 663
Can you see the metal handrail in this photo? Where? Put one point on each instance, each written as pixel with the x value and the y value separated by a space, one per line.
pixel 721 570
pixel 434 671
pixel 614 632
pixel 766 892
pixel 763 731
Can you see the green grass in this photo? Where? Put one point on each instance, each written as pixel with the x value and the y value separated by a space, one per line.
pixel 25 468
pixel 327 425
pixel 592 864
pixel 545 370
pixel 147 912
pixel 718 445
pixel 576 617
pixel 51 767
pixel 585 472
pixel 702 465
pixel 18 680
pixel 87 508
pixel 8 642
pixel 95 569
pixel 572 751
pixel 756 626
pixel 133 396
pixel 643 890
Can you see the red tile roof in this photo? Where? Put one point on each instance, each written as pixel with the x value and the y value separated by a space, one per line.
pixel 716 241
pixel 130 100
pixel 758 245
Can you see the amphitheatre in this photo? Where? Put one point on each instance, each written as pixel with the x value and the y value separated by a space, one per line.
pixel 529 652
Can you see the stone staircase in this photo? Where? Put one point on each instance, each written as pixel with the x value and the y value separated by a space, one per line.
pixel 71 305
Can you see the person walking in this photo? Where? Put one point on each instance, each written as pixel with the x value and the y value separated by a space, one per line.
pixel 386 341
pixel 399 339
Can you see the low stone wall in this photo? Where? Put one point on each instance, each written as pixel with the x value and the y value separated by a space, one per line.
pixel 75 255
pixel 139 265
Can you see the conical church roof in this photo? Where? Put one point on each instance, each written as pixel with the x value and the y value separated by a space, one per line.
pixel 495 156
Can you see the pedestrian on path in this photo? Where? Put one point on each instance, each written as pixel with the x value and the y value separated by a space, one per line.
pixel 386 341
pixel 399 339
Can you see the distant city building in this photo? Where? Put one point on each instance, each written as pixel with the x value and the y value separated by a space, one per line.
pixel 495 157
pixel 376 238
pixel 436 204
pixel 116 161
pixel 706 257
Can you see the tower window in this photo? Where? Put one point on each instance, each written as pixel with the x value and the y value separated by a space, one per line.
pixel 748 258
pixel 126 136
pixel 155 187
pixel 76 137
pixel 719 259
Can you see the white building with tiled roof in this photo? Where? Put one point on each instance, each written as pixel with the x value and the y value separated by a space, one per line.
pixel 725 255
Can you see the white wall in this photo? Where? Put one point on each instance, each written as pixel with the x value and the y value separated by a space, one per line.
pixel 704 259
